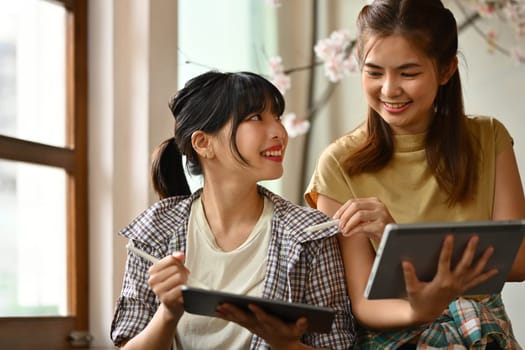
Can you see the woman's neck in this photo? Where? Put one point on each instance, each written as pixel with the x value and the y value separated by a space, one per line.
pixel 231 213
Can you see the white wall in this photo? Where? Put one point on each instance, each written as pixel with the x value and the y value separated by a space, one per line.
pixel 495 86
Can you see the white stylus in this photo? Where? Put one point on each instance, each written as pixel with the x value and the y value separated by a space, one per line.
pixel 322 225
pixel 141 253
pixel 153 260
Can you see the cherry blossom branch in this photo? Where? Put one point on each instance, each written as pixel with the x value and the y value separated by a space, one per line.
pixel 471 22
pixel 303 68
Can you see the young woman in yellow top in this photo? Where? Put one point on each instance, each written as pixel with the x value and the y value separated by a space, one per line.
pixel 419 158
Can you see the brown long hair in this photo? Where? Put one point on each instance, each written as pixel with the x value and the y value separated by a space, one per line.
pixel 449 146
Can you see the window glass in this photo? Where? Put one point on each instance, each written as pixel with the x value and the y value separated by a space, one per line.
pixel 32 232
pixel 244 37
pixel 32 71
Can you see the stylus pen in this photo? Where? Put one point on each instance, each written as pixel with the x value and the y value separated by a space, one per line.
pixel 141 253
pixel 323 225
pixel 153 260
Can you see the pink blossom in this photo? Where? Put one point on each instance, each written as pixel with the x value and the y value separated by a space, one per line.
pixel 350 65
pixel 324 50
pixel 295 126
pixel 338 67
pixel 334 52
pixel 283 82
pixel 276 65
pixel 486 9
pixel 334 69
pixel 277 75
pixel 517 55
pixel 515 13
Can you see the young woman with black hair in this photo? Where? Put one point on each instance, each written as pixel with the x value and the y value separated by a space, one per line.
pixel 232 235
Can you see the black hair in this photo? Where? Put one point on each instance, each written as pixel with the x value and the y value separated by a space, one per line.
pixel 207 103
pixel 167 172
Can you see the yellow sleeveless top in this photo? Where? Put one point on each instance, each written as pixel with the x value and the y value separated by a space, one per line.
pixel 406 185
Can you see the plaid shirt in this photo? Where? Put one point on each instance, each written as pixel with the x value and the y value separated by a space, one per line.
pixel 466 324
pixel 303 267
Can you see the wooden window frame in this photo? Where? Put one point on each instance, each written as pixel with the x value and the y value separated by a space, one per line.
pixel 53 332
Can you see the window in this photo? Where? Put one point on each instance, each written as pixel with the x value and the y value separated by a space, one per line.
pixel 242 39
pixel 43 172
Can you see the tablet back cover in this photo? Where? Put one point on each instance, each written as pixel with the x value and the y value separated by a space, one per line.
pixel 204 302
pixel 421 244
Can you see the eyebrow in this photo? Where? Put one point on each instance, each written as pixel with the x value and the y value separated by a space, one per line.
pixel 401 67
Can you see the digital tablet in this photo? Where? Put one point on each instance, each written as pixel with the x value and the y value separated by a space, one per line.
pixel 421 244
pixel 204 302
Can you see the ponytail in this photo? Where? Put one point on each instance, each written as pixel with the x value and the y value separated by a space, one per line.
pixel 167 172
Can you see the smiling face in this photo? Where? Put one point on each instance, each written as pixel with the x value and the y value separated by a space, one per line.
pixel 261 140
pixel 400 82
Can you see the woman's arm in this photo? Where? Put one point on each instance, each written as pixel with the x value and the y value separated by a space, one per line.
pixel 158 334
pixel 426 300
pixel 166 278
pixel 509 202
pixel 358 257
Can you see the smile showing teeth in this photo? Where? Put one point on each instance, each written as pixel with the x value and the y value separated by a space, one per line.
pixel 272 153
pixel 395 105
